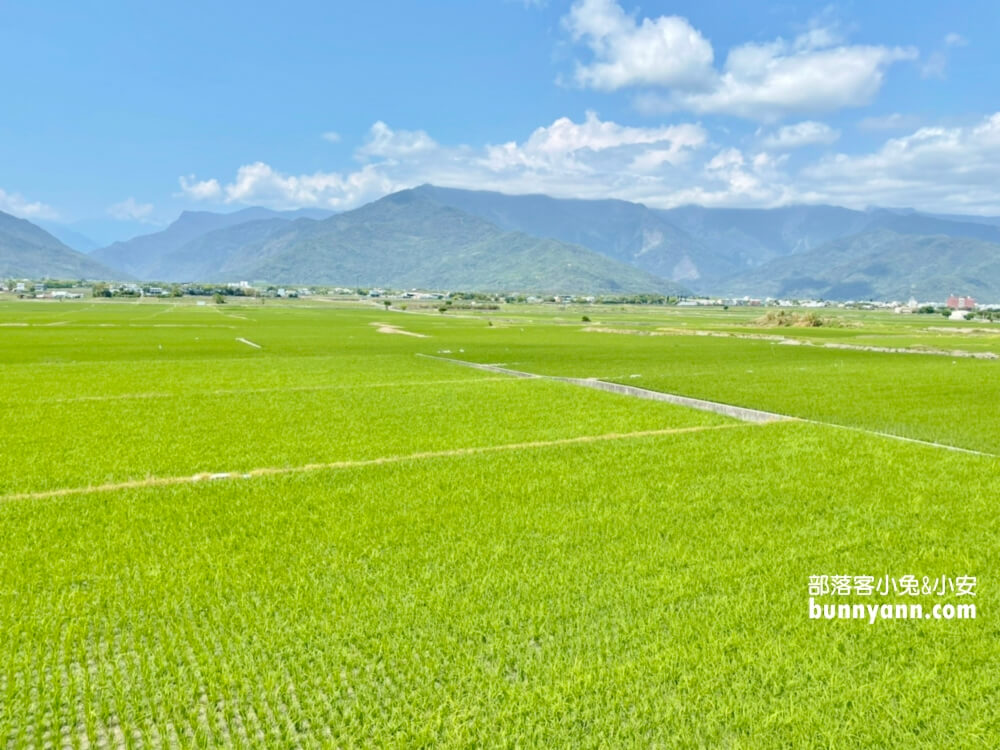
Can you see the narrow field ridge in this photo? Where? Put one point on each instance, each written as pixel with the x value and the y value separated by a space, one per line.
pixel 789 341
pixel 737 412
pixel 487 368
pixel 105 397
pixel 275 389
pixel 727 410
pixel 903 438
pixel 279 470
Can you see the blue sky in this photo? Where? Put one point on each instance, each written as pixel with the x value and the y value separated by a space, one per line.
pixel 131 112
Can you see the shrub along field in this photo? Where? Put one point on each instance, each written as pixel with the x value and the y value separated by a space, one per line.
pixel 425 554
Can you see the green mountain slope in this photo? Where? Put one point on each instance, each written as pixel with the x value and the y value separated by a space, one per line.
pixel 627 232
pixel 451 238
pixel 409 240
pixel 749 237
pixel 28 251
pixel 145 256
pixel 69 236
pixel 880 264
pixel 203 257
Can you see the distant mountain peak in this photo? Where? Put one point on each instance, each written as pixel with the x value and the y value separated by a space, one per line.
pixel 28 251
pixel 451 236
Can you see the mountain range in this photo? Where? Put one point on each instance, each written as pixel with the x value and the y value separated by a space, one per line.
pixel 28 251
pixel 881 264
pixel 446 238
pixel 143 256
pixel 407 239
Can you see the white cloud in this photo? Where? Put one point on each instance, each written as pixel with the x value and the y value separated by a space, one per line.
pixel 653 160
pixel 728 158
pixel 666 51
pixel 815 72
pixel 934 168
pixel 131 210
pixel 770 81
pixel 954 169
pixel 817 37
pixel 200 190
pixel 259 184
pixel 565 158
pixel 732 178
pixel 18 205
pixel 806 133
pixel 385 142
pixel 954 40
pixel 332 136
pixel 565 143
pixel 729 165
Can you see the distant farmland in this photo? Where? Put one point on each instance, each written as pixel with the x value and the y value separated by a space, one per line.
pixel 231 526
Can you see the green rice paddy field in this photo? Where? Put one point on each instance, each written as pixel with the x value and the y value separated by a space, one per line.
pixel 278 526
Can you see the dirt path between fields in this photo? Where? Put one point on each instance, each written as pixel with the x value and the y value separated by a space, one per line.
pixel 389 328
pixel 789 341
pixel 359 463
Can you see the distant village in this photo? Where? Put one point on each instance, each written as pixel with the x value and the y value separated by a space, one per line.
pixel 955 307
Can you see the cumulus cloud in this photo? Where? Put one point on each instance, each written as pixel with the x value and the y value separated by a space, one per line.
pixel 953 169
pixel 806 133
pixel 18 205
pixel 385 142
pixel 566 158
pixel 570 144
pixel 666 51
pixel 814 72
pixel 767 81
pixel 730 166
pixel 131 210
pixel 260 184
pixel 200 190
pixel 934 168
pixel 332 136
pixel 653 160
pixel 734 178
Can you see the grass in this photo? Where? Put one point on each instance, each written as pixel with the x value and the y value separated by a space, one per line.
pixel 637 591
pixel 927 397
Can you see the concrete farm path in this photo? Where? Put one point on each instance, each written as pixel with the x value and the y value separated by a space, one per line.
pixel 742 413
